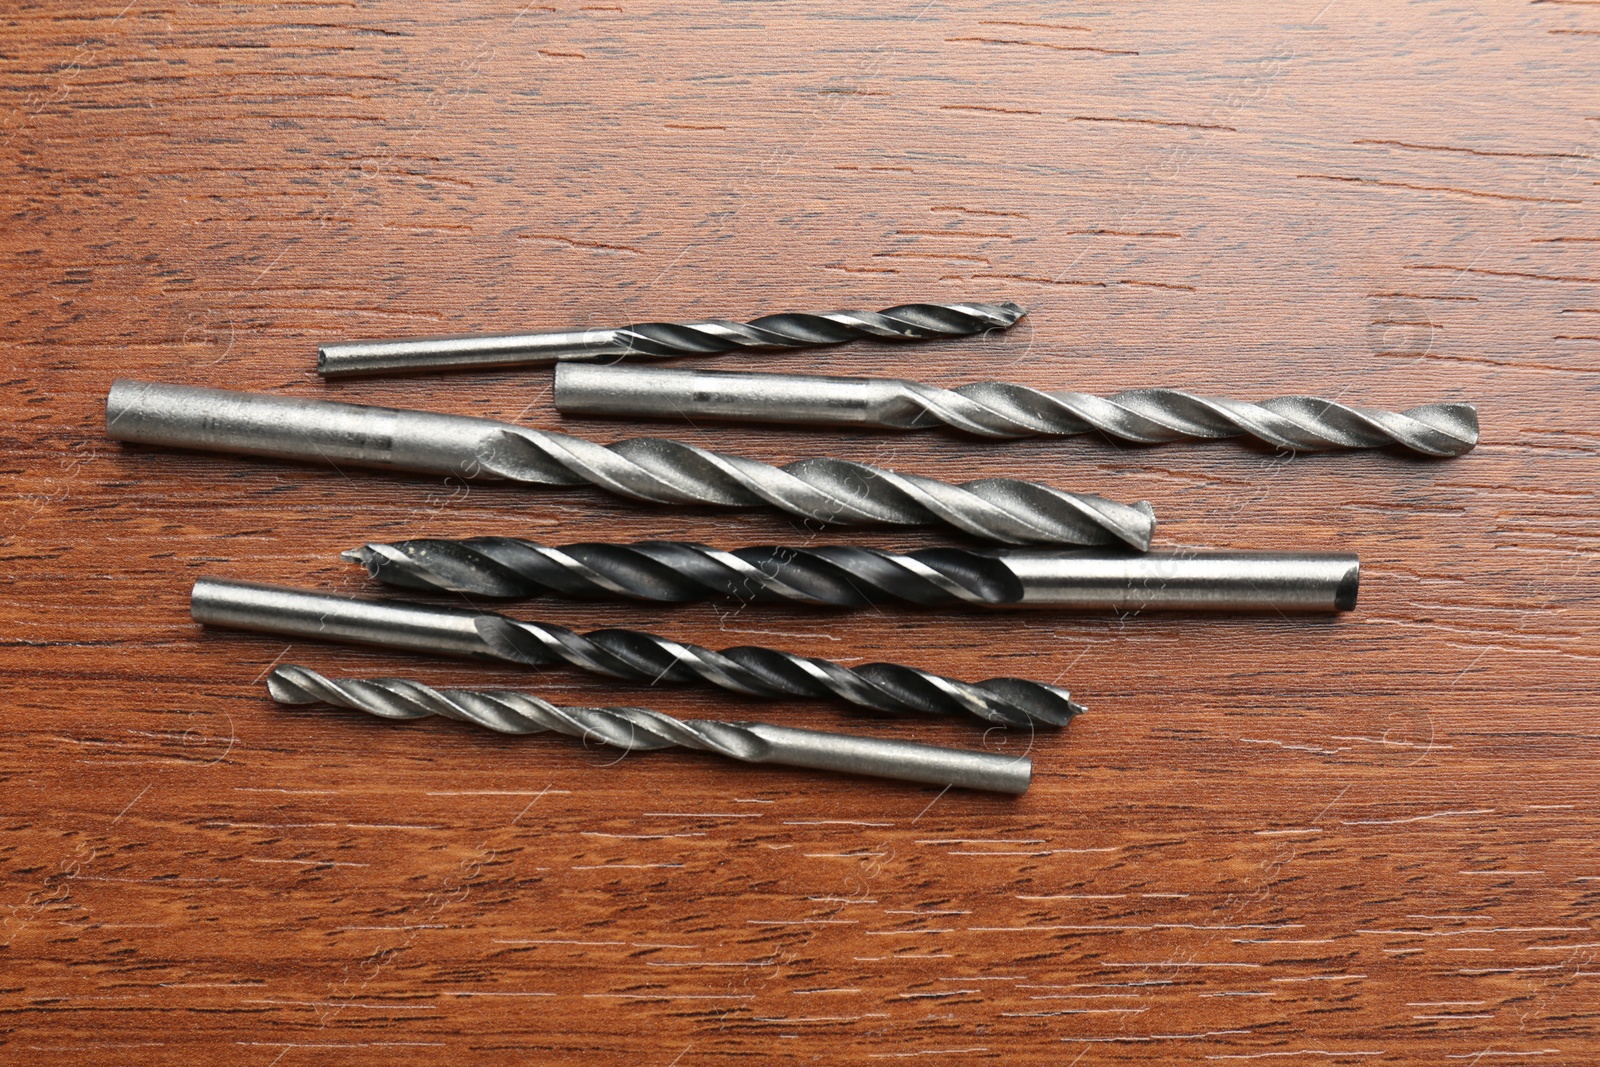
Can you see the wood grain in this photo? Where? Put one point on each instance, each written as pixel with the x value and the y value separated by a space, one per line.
pixel 1368 840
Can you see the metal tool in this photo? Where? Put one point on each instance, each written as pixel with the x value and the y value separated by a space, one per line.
pixel 666 472
pixel 850 577
pixel 639 730
pixel 630 654
pixel 661 340
pixel 997 409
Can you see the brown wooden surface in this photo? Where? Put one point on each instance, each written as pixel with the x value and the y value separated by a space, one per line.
pixel 1366 840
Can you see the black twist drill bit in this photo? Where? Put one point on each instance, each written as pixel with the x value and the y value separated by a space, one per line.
pixel 663 340
pixel 848 576
pixel 643 730
pixel 653 469
pixel 775 674
pixel 1004 410
pixel 629 654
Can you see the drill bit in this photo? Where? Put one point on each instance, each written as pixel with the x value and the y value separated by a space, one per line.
pixel 652 469
pixel 662 340
pixel 629 654
pixel 845 576
pixel 998 409
pixel 642 730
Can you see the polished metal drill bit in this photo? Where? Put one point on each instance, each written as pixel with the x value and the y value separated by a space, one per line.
pixel 662 340
pixel 846 576
pixel 642 730
pixel 661 471
pixel 629 654
pixel 997 409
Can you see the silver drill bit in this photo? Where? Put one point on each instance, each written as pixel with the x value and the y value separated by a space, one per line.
pixel 997 409
pixel 662 340
pixel 846 576
pixel 642 730
pixel 653 469
pixel 630 654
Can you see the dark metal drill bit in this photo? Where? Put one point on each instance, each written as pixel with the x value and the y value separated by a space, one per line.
pixel 847 576
pixel 662 340
pixel 643 730
pixel 630 654
pixel 653 469
pixel 998 409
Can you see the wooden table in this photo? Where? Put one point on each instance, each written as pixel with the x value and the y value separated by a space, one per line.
pixel 1360 840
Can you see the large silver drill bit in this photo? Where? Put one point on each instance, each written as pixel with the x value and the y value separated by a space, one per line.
pixel 661 471
pixel 847 576
pixel 998 409
pixel 642 730
pixel 661 340
pixel 629 654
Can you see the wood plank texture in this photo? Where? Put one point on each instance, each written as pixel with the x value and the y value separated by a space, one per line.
pixel 1369 840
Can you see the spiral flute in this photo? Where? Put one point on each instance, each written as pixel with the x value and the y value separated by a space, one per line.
pixel 643 730
pixel 646 658
pixel 1001 410
pixel 847 576
pixel 651 469
pixel 663 340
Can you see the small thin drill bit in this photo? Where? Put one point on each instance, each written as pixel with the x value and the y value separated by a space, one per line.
pixel 629 654
pixel 662 340
pixel 1002 410
pixel 665 472
pixel 847 576
pixel 643 730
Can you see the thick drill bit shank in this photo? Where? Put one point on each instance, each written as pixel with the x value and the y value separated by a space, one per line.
pixel 643 730
pixel 662 340
pixel 998 409
pixel 661 471
pixel 628 654
pixel 846 576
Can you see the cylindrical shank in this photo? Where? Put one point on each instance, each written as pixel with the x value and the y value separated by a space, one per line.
pixel 903 760
pixel 348 359
pixel 323 431
pixel 272 609
pixel 739 396
pixel 1187 581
